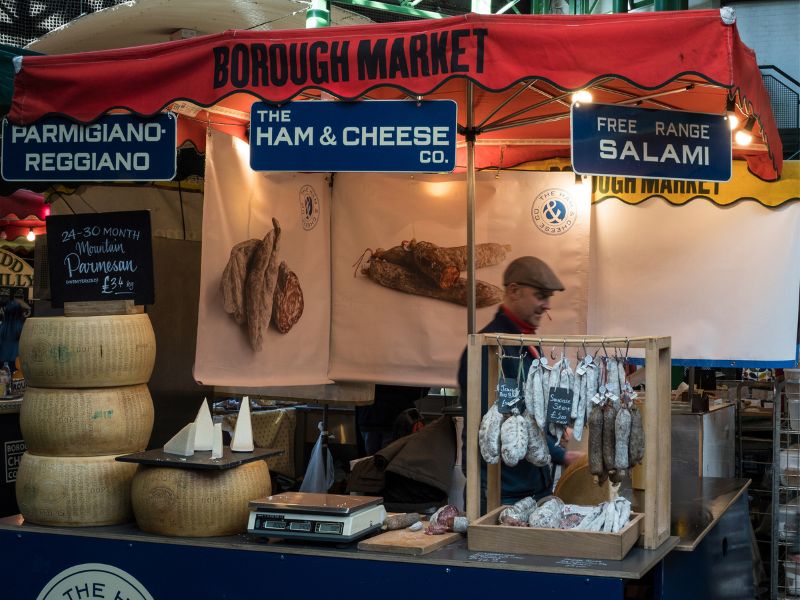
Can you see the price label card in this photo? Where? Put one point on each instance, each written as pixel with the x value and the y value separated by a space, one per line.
pixel 559 406
pixel 100 256
pixel 509 396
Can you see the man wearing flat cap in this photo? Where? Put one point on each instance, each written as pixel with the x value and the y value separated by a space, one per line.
pixel 529 286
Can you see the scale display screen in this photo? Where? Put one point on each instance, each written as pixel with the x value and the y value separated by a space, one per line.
pixel 276 523
pixel 328 528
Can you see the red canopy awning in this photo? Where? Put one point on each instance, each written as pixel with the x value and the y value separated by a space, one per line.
pixel 683 60
pixel 20 212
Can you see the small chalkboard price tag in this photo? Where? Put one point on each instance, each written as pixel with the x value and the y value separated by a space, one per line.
pixel 100 256
pixel 508 396
pixel 559 406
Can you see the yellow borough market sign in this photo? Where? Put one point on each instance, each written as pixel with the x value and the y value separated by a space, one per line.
pixel 14 272
pixel 742 186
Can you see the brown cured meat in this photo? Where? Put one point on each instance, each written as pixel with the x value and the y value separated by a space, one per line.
pixel 399 255
pixel 233 279
pixel 433 262
pixel 257 320
pixel 260 286
pixel 287 305
pixel 609 437
pixel 404 280
pixel 636 441
pixel 596 442
pixel 486 255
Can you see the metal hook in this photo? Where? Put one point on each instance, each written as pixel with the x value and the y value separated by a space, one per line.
pixel 552 352
pixel 627 348
pixel 603 344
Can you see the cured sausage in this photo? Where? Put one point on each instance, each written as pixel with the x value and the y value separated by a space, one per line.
pixel 538 453
pixel 609 436
pixel 596 442
pixel 400 521
pixel 622 432
pixel 580 418
pixel 540 392
pixel 433 262
pixel 405 280
pixel 530 389
pixel 489 435
pixel 636 441
pixel 398 255
pixel 612 383
pixel 232 284
pixel 258 317
pixel 287 306
pixel 514 439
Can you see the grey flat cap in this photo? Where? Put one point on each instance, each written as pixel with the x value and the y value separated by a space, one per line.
pixel 529 270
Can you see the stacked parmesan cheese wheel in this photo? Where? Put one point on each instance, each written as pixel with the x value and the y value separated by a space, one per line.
pixel 86 403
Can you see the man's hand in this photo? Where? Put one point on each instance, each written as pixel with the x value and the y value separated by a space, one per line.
pixel 566 436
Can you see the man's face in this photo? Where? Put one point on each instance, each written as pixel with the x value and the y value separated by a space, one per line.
pixel 527 302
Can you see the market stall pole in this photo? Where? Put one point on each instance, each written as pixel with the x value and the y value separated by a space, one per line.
pixel 657 422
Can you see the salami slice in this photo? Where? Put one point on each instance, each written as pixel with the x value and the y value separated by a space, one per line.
pixel 287 305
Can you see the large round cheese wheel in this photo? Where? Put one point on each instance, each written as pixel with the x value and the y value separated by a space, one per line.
pixel 87 352
pixel 90 422
pixel 197 503
pixel 74 491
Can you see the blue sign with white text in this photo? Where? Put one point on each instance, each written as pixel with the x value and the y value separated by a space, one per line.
pixel 366 136
pixel 113 148
pixel 643 142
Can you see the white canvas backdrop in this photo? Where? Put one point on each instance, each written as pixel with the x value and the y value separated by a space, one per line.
pixel 386 336
pixel 723 282
pixel 239 205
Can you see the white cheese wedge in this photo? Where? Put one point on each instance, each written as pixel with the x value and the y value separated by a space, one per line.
pixel 243 434
pixel 216 447
pixel 203 428
pixel 182 443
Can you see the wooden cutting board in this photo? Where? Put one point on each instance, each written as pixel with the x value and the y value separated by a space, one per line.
pixel 403 541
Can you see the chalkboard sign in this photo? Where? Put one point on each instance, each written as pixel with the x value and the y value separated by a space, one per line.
pixel 508 396
pixel 100 256
pixel 559 406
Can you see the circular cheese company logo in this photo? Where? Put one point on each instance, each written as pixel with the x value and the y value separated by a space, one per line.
pixel 553 212
pixel 96 579
pixel 309 207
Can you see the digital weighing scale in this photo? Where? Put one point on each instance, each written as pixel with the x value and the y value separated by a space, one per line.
pixel 323 517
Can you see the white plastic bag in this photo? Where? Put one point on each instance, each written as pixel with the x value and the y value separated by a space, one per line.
pixel 319 473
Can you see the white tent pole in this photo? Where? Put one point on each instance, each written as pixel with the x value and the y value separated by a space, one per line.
pixel 470 211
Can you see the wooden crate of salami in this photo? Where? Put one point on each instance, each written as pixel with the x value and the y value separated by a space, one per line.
pixel 486 535
pixel 654 508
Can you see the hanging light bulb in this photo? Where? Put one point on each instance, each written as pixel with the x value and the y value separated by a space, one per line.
pixel 31 236
pixel 582 96
pixel 744 137
pixel 730 113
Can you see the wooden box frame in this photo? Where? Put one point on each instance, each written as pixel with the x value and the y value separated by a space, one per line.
pixel 657 422
pixel 487 536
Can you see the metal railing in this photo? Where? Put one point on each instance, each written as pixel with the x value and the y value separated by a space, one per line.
pixel 784 94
